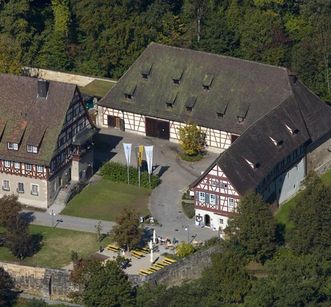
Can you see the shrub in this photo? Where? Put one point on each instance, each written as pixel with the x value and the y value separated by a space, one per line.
pixel 184 249
pixel 188 209
pixel 118 173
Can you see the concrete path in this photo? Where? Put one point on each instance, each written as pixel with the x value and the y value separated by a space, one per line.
pixel 165 201
pixel 69 222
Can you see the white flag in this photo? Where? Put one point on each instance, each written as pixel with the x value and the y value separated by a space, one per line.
pixel 127 152
pixel 149 158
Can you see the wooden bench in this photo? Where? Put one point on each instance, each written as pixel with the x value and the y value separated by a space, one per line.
pixel 144 273
pixel 137 253
pixel 159 265
pixel 113 248
pixel 169 260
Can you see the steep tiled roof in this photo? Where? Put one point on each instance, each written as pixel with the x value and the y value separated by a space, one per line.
pixel 301 119
pixel 31 120
pixel 219 84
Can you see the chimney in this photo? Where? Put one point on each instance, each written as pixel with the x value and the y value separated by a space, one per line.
pixel 42 88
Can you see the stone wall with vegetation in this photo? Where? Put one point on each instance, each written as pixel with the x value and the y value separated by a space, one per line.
pixel 188 268
pixel 44 282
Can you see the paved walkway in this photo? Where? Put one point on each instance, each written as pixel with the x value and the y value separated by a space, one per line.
pixel 165 200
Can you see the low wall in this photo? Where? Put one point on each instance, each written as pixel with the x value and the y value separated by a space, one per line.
pixel 189 268
pixel 61 76
pixel 47 283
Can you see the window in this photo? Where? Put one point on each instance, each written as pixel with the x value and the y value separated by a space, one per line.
pixel 201 197
pixel 5 185
pixel 7 163
pixel 17 165
pixel 20 188
pixel 13 146
pixel 35 189
pixel 31 148
pixel 40 169
pixel 223 185
pixel 212 199
pixel 221 221
pixel 28 167
pixel 231 204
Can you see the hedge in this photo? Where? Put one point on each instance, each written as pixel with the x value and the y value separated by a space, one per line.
pixel 118 173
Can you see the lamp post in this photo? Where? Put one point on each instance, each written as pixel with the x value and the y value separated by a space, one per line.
pixel 187 228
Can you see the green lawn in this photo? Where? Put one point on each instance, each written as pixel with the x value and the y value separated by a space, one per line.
pixel 283 211
pixel 57 245
pixel 105 200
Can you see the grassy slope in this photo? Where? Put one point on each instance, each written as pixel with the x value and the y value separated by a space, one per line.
pixel 105 199
pixel 98 88
pixel 283 211
pixel 57 247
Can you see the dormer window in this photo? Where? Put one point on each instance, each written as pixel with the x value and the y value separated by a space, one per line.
pixel 293 131
pixel 190 102
pixel 32 149
pixel 242 112
pixel 177 76
pixel 207 81
pixel 170 101
pixel 252 165
pixel 276 143
pixel 12 146
pixel 221 110
pixel 129 91
pixel 146 70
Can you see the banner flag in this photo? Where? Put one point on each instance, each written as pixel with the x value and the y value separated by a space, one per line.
pixel 127 152
pixel 139 154
pixel 149 158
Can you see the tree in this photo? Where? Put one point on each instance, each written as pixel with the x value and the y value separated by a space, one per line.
pixel 103 284
pixel 311 216
pixel 292 280
pixel 226 281
pixel 9 210
pixel 10 55
pixel 192 139
pixel 6 285
pixel 127 232
pixel 253 228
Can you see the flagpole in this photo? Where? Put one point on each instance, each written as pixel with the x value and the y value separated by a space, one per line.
pixel 128 173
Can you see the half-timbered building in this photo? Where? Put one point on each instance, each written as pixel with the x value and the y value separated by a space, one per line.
pixel 45 137
pixel 167 87
pixel 272 158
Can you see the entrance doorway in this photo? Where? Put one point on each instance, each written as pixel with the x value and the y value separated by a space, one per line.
pixel 114 121
pixel 157 128
pixel 207 220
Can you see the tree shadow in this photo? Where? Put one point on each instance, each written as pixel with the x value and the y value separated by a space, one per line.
pixel 28 217
pixel 8 296
pixel 36 243
pixel 280 234
pixel 146 236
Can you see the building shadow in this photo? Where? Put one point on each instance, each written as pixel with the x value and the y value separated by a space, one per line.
pixel 103 146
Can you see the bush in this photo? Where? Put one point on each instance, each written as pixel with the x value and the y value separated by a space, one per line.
pixel 188 209
pixel 184 249
pixel 118 173
pixel 192 158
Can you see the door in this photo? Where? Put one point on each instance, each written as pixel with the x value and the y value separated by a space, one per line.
pixel 157 128
pixel 207 220
pixel 114 121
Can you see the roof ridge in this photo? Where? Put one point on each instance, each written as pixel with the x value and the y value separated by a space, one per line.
pixel 285 69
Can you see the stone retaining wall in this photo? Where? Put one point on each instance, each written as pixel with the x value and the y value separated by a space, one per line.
pixel 44 282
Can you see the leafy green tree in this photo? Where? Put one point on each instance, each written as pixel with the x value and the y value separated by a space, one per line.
pixel 192 139
pixel 293 281
pixel 10 55
pixel 127 232
pixel 9 210
pixel 226 281
pixel 311 216
pixel 253 228
pixel 103 284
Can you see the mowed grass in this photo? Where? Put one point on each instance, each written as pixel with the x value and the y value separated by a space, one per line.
pixel 57 245
pixel 105 200
pixel 282 215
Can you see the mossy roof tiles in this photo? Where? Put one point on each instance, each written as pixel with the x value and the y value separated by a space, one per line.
pixel 44 117
pixel 234 83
